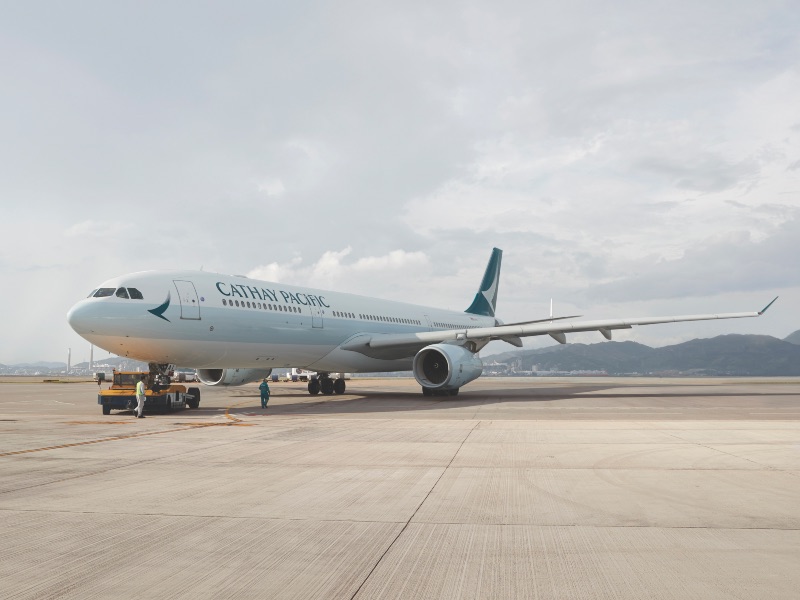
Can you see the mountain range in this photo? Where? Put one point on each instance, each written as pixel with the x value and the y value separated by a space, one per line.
pixel 723 355
pixel 760 355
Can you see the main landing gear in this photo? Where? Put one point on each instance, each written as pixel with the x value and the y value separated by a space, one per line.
pixel 326 385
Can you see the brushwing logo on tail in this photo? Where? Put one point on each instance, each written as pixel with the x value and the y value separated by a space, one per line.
pixel 486 299
pixel 160 310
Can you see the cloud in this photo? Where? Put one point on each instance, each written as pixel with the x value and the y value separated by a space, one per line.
pixel 271 187
pixel 332 270
pixel 396 259
pixel 732 262
pixel 94 229
pixel 385 149
pixel 707 173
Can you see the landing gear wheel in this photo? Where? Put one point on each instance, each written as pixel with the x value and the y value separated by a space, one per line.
pixel 338 386
pixel 195 401
pixel 326 386
pixel 313 386
pixel 106 409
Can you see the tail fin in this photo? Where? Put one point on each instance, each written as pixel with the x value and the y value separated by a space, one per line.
pixel 486 299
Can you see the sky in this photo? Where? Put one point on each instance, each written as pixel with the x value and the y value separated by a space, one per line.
pixel 630 158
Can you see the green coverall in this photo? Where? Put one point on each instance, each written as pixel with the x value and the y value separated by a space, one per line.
pixel 264 387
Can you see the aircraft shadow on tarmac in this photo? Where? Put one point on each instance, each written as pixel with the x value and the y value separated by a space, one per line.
pixel 377 401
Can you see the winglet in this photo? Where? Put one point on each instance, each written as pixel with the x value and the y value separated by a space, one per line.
pixel 763 310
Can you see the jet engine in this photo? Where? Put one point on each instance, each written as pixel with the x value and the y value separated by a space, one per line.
pixel 445 367
pixel 231 376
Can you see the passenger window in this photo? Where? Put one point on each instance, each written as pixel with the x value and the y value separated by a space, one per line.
pixel 122 293
pixel 237 303
pixel 135 294
pixel 224 302
pixel 104 292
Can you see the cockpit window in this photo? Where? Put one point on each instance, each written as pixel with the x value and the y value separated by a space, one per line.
pixel 135 294
pixel 104 292
pixel 122 293
pixel 91 293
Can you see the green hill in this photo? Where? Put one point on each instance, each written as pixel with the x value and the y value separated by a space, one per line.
pixel 723 355
pixel 793 338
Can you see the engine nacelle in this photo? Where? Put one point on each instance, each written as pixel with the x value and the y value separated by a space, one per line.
pixel 446 367
pixel 231 376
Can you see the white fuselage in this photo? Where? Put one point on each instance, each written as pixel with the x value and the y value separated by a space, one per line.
pixel 206 320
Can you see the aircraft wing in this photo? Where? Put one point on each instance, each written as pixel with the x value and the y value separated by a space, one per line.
pixel 403 345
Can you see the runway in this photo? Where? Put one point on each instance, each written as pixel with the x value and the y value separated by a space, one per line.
pixel 523 488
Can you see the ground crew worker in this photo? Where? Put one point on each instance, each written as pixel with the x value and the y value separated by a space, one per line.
pixel 264 387
pixel 139 412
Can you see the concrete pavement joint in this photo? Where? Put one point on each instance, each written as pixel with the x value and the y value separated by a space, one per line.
pixel 184 427
pixel 701 445
pixel 88 442
pixel 115 467
pixel 372 521
pixel 430 491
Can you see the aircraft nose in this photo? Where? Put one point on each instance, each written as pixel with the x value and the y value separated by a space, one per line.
pixel 79 318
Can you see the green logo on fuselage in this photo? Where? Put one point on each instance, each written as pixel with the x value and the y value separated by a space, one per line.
pixel 159 310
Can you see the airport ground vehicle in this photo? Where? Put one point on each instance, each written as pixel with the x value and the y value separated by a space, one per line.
pixel 160 394
pixel 301 375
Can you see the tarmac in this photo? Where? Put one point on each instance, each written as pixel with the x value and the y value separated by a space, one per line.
pixel 516 488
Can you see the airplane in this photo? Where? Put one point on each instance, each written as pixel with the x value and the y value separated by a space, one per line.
pixel 235 330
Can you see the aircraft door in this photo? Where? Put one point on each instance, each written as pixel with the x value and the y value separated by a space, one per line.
pixel 316 317
pixel 190 305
